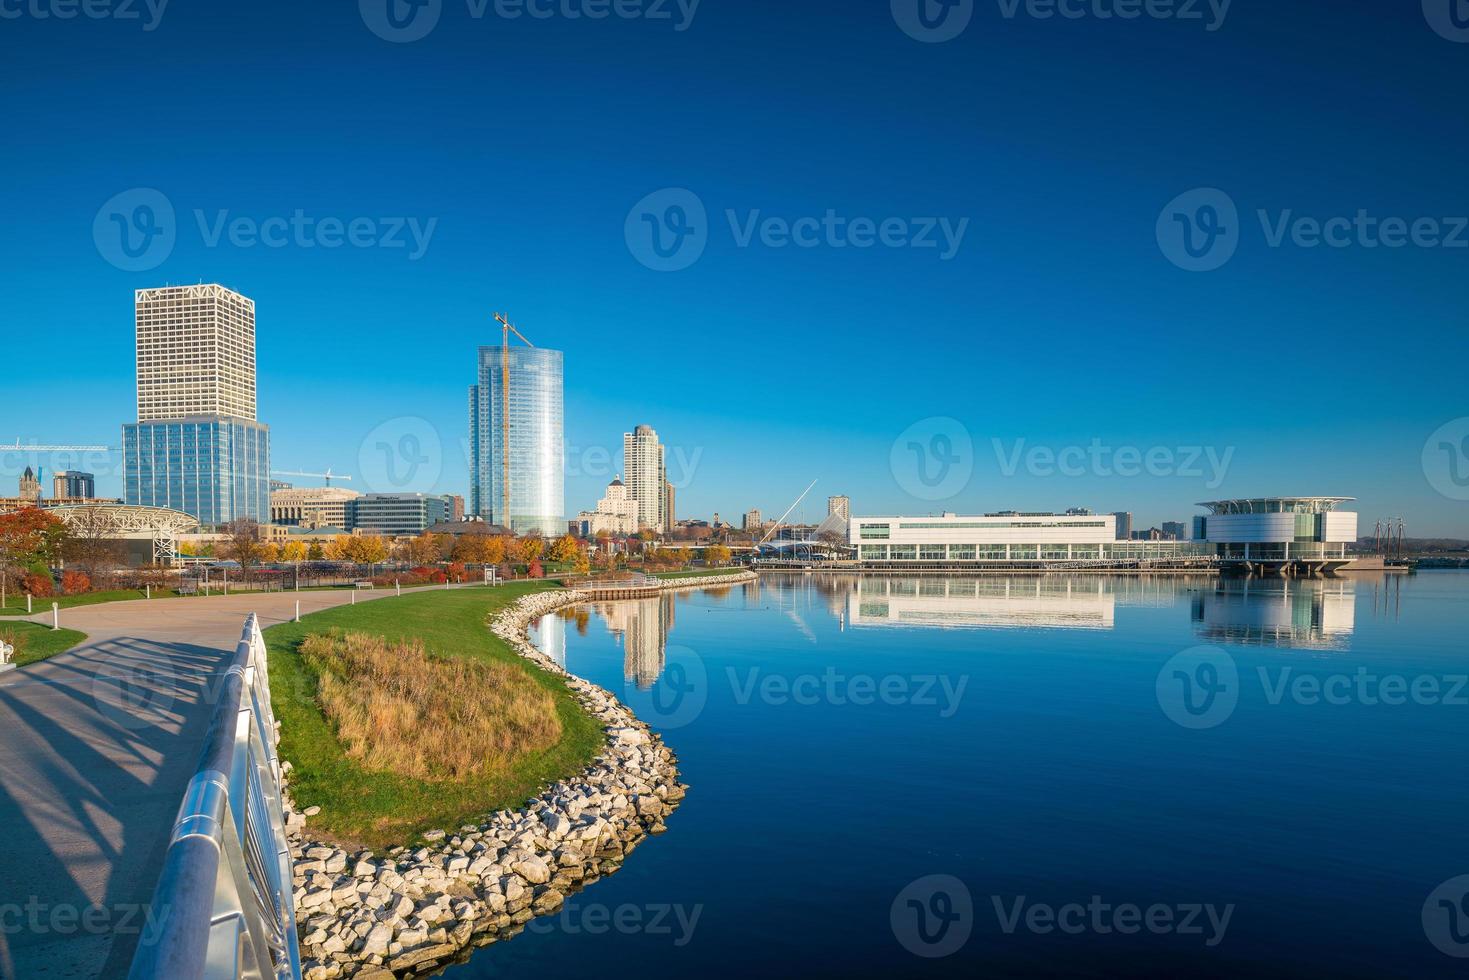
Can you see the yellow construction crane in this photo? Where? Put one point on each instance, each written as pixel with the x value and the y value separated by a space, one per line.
pixel 506 329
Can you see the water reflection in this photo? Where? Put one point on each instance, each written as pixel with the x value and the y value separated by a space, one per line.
pixel 1315 614
pixel 1300 613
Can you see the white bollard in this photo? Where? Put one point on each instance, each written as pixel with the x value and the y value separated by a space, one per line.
pixel 56 615
pixel 354 595
pixel 147 590
pixel 298 610
pixel 28 603
pixel 397 587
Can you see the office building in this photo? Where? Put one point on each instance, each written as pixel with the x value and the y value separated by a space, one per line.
pixel 754 521
pixel 520 485
pixel 395 515
pixel 197 446
pixel 646 475
pixel 839 507
pixel 1123 521
pixel 616 513
pixel 455 507
pixel 1175 531
pixel 74 484
pixel 311 507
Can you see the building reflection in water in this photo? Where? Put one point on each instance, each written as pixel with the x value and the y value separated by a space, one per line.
pixel 548 635
pixel 1303 613
pixel 642 627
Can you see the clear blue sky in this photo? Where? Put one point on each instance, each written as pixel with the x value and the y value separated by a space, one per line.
pixel 527 141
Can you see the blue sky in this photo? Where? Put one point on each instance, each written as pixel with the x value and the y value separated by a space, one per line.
pixel 525 150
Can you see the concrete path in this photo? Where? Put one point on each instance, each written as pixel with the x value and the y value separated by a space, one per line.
pixel 96 748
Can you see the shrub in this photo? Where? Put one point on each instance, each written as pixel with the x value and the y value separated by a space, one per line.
pixel 75 583
pixel 535 570
pixel 37 584
pixel 397 709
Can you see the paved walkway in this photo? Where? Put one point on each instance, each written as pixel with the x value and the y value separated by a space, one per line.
pixel 96 747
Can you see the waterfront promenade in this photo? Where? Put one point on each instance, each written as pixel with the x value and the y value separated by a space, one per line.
pixel 96 748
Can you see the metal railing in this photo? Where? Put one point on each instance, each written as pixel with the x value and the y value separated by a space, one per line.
pixel 225 897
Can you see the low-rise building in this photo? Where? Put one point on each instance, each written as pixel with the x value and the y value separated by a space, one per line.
pixel 396 515
pixel 311 507
pixel 617 513
pixel 1008 539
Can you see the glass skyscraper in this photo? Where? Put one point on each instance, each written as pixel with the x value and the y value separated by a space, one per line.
pixel 197 446
pixel 537 441
pixel 214 469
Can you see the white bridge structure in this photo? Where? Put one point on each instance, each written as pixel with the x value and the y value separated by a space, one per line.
pixel 125 522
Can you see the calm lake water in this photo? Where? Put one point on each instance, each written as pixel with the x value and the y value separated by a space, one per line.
pixel 1108 776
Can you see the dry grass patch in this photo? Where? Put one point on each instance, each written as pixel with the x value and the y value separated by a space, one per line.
pixel 398 709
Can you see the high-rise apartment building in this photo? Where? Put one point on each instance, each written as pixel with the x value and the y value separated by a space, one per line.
pixel 73 484
pixel 754 520
pixel 519 485
pixel 197 445
pixel 670 520
pixel 646 475
pixel 839 507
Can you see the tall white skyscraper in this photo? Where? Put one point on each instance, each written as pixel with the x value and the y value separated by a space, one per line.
pixel 645 474
pixel 196 353
pixel 197 445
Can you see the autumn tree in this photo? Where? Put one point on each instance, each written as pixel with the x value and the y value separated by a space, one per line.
pixel 91 545
pixel 242 543
pixel 494 550
pixel 717 554
pixel 530 548
pixel 294 552
pixel 564 549
pixel 28 537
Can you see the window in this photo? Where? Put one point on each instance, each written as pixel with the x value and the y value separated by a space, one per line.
pixel 903 552
pixel 1023 552
pixel 874 532
pixel 1055 552
pixel 992 552
pixel 961 552
pixel 874 552
pixel 931 552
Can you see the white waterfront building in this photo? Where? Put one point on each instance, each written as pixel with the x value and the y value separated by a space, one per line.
pixel 1279 534
pixel 1008 538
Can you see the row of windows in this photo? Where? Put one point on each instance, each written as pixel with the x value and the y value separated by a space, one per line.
pixel 1017 552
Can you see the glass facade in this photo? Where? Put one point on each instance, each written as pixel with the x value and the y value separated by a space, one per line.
pixel 395 514
pixel 216 470
pixel 537 440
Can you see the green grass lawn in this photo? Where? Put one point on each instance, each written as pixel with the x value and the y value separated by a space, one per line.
pixel 15 603
pixel 698 572
pixel 34 642
pixel 383 809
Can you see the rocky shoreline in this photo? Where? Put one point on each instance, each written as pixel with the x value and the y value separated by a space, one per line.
pixel 411 911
